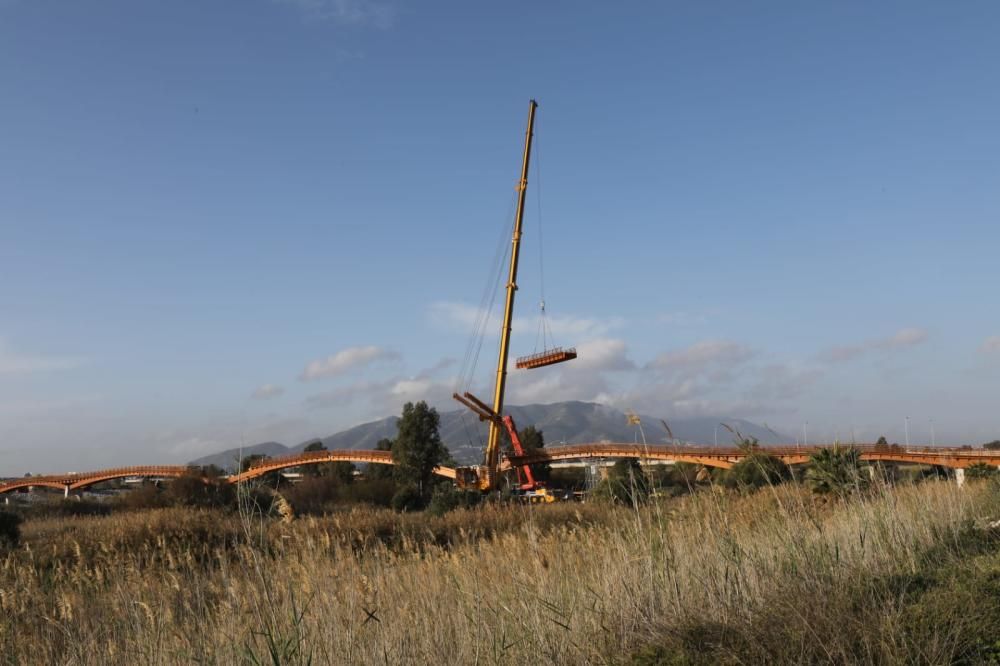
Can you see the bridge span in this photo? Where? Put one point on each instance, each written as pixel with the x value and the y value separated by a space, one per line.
pixel 956 458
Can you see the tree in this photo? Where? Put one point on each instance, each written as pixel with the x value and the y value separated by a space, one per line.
pixel 196 488
pixel 882 442
pixel 533 439
pixel 375 471
pixel 272 479
pixel 317 468
pixel 251 460
pixel 342 471
pixel 836 470
pixel 626 483
pixel 418 449
pixel 992 446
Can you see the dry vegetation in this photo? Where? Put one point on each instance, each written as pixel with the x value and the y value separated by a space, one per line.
pixel 910 575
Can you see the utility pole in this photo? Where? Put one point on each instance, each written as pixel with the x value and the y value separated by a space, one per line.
pixel 906 430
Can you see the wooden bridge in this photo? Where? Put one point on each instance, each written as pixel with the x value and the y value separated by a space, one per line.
pixel 952 457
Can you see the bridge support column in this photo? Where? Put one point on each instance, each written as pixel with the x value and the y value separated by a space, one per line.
pixel 65 492
pixel 960 476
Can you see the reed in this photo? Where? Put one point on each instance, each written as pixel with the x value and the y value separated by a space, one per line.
pixel 714 577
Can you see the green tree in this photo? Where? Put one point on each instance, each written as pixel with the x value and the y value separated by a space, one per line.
pixel 342 471
pixel 626 483
pixel 418 449
pixel 251 460
pixel 377 472
pixel 882 442
pixel 533 439
pixel 198 489
pixel 837 470
pixel 992 446
pixel 271 479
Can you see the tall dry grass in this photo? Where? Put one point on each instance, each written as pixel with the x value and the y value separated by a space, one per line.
pixel 714 577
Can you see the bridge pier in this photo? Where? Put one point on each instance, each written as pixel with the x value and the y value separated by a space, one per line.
pixel 960 476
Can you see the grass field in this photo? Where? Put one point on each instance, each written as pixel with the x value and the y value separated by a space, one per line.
pixel 906 575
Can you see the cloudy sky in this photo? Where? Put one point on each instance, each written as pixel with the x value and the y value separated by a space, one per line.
pixel 232 221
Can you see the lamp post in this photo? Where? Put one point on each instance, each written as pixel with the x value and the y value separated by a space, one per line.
pixel 805 433
pixel 906 430
pixel 933 438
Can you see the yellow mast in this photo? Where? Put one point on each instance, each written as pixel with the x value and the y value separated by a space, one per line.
pixel 493 444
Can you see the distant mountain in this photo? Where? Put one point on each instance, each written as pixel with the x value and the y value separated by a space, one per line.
pixel 561 422
pixel 229 459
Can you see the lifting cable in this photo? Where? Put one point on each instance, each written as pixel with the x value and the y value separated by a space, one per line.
pixel 544 332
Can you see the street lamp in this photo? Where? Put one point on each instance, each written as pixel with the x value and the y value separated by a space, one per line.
pixel 933 438
pixel 805 433
pixel 906 430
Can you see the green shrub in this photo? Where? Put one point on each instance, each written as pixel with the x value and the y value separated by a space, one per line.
pixel 10 529
pixel 837 470
pixel 980 471
pixel 408 498
pixel 756 470
pixel 447 497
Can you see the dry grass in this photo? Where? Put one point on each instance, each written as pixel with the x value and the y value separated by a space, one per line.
pixel 712 577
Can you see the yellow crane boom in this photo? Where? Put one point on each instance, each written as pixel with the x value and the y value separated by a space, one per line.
pixel 485 477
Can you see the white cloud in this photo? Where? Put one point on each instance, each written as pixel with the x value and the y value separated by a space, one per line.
pixel 906 337
pixel 267 391
pixel 702 355
pixel 346 360
pixel 601 355
pixel 346 12
pixel 466 317
pixel 12 362
pixel 991 345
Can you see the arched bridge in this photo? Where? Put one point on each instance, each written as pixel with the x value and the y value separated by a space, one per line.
pixel 79 481
pixel 319 457
pixel 957 458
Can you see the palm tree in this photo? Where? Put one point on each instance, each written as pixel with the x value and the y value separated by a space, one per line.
pixel 836 470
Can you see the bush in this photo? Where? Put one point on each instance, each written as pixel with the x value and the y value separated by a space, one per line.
pixel 313 495
pixel 837 470
pixel 10 529
pixel 408 498
pixel 198 491
pixel 980 471
pixel 756 470
pixel 447 497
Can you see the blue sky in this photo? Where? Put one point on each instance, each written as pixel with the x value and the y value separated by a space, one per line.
pixel 226 222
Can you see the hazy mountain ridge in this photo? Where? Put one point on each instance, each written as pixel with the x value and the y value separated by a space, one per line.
pixel 562 423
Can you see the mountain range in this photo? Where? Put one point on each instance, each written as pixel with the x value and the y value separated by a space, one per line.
pixel 561 422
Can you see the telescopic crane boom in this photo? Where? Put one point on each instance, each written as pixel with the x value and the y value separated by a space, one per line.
pixel 484 477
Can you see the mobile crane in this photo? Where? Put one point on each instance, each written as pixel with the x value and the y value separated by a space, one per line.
pixel 485 477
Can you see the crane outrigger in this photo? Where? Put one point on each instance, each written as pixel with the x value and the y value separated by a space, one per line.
pixel 484 477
